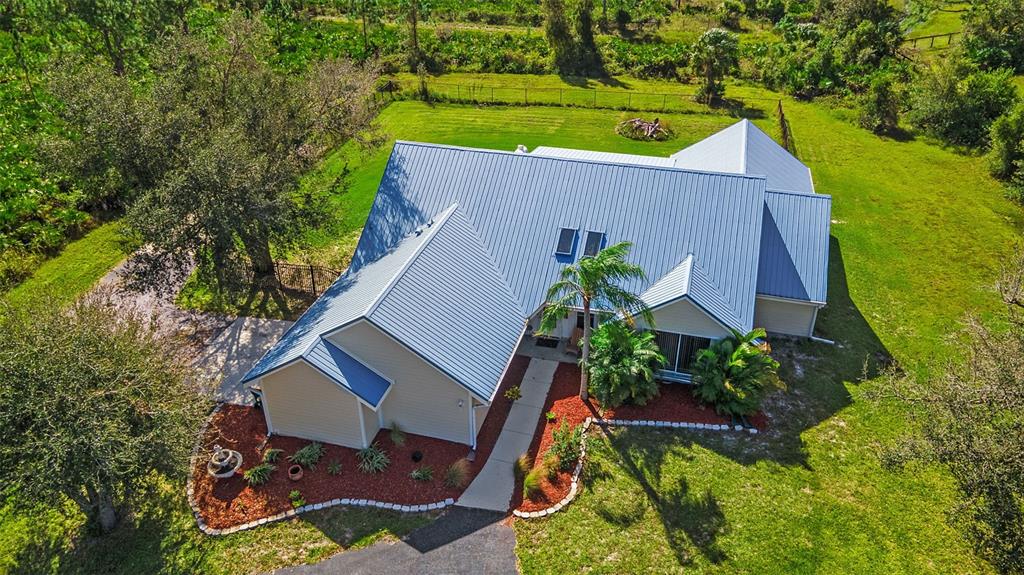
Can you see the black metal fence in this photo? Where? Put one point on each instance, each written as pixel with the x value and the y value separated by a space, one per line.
pixel 307 279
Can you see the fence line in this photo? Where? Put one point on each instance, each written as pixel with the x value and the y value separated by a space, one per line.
pixel 304 278
pixel 931 39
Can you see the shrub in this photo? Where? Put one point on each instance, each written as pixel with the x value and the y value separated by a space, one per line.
pixel 880 105
pixel 715 55
pixel 373 459
pixel 271 455
pixel 513 393
pixel 733 374
pixel 521 466
pixel 730 12
pixel 424 473
pixel 259 474
pixel 622 365
pixel 457 474
pixel 296 498
pixel 531 483
pixel 309 455
pixel 334 467
pixel 551 466
pixel 550 416
pixel 397 435
pixel 1007 143
pixel 566 441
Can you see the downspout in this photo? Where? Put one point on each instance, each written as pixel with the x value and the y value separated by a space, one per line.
pixel 472 423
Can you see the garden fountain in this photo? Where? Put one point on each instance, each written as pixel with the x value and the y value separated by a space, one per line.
pixel 224 462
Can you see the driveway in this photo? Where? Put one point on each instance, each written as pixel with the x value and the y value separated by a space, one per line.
pixel 462 540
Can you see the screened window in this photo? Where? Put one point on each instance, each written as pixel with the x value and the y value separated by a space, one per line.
pixel 680 350
pixel 593 244
pixel 566 239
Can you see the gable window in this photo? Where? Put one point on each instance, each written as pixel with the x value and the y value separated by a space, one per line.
pixel 680 350
pixel 566 241
pixel 593 244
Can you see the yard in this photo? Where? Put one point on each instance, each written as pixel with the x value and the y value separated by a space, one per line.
pixel 918 231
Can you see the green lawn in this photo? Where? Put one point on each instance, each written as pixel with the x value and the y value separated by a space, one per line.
pixel 917 236
pixel 77 268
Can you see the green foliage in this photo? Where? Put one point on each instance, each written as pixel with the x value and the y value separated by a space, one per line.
pixel 373 459
pixel 715 55
pixel 334 467
pixel 521 466
pixel 880 104
pixel 994 34
pixel 1006 140
pixel 531 482
pixel 259 474
pixel 957 103
pixel 296 499
pixel 272 455
pixel 645 59
pixel 729 13
pixel 457 474
pixel 734 373
pixel 559 36
pixel 565 444
pixel 513 393
pixel 422 473
pixel 108 395
pixel 622 365
pixel 550 416
pixel 309 455
pixel 551 466
pixel 397 435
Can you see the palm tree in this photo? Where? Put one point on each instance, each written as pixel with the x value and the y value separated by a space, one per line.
pixel 594 282
pixel 733 373
pixel 624 364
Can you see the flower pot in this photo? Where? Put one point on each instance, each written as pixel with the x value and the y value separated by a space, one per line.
pixel 295 472
pixel 417 456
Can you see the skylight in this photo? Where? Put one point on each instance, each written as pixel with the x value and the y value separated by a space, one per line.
pixel 566 239
pixel 593 244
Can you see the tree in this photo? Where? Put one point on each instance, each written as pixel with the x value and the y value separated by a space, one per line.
pixel 92 400
pixel 210 152
pixel 623 364
pixel 715 54
pixel 734 373
pixel 413 11
pixel 968 418
pixel 994 33
pixel 1006 138
pixel 369 14
pixel 588 57
pixel 556 30
pixel 593 284
pixel 880 110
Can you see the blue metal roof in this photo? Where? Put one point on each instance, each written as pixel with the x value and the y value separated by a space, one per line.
pixel 794 246
pixel 688 280
pixel 347 371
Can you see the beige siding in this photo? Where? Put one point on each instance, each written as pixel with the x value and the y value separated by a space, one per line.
pixel 481 415
pixel 684 317
pixel 422 399
pixel 302 402
pixel 789 318
pixel 370 421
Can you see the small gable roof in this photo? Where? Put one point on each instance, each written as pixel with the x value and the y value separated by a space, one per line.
pixel 743 148
pixel 347 371
pixel 688 280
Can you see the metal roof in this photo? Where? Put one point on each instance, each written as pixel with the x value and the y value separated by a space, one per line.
pixel 794 246
pixel 347 371
pixel 688 280
pixel 744 149
pixel 606 157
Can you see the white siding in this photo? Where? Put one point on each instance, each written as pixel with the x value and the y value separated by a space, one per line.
pixel 303 403
pixel 684 317
pixel 422 399
pixel 481 415
pixel 789 318
pixel 371 423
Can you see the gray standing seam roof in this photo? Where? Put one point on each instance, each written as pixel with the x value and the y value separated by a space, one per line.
pixel 794 246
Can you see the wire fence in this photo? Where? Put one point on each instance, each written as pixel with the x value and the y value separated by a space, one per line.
pixel 682 101
pixel 304 278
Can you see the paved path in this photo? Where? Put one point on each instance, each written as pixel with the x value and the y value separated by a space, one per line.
pixel 230 355
pixel 493 486
pixel 462 540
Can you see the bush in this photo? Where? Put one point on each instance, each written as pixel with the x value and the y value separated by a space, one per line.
pixel 551 466
pixel 730 12
pixel 1007 143
pixel 334 467
pixel 296 498
pixel 457 474
pixel 531 483
pixel 373 459
pixel 521 466
pixel 513 393
pixel 259 474
pixel 880 110
pixel 271 455
pixel 424 473
pixel 622 365
pixel 957 103
pixel 733 374
pixel 566 442
pixel 397 435
pixel 309 455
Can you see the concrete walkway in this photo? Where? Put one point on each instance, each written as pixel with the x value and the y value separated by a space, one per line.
pixel 230 355
pixel 493 486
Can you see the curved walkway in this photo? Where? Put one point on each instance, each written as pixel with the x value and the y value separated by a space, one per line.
pixel 461 541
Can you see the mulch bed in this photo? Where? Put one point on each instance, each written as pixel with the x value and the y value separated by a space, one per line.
pixel 229 502
pixel 675 402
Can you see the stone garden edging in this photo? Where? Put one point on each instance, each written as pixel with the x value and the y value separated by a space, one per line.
pixel 190 490
pixel 574 487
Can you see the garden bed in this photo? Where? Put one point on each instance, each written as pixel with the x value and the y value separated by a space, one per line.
pixel 675 402
pixel 225 503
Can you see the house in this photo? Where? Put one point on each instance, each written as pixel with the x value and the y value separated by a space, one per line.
pixel 461 245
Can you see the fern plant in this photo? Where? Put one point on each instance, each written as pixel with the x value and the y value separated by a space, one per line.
pixel 424 473
pixel 259 474
pixel 623 363
pixel 373 459
pixel 309 455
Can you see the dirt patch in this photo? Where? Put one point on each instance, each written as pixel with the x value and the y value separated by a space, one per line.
pixel 229 502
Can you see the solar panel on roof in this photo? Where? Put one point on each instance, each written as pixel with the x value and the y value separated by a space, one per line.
pixel 593 244
pixel 566 239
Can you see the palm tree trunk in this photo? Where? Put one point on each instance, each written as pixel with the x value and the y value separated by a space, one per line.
pixel 584 375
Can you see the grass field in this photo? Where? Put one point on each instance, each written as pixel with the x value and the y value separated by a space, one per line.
pixel 918 232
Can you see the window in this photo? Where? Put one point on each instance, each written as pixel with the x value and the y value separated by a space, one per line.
pixel 566 241
pixel 579 320
pixel 680 350
pixel 593 244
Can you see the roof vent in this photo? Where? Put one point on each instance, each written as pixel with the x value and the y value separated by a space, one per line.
pixel 521 149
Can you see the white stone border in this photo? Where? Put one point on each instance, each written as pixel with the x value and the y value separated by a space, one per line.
pixel 574 487
pixel 190 490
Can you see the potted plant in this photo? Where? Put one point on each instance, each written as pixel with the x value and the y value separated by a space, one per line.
pixel 295 472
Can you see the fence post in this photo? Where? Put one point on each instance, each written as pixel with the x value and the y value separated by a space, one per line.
pixel 629 99
pixel 595 98
pixel 458 91
pixel 664 100
pixel 526 95
pixel 312 279
pixel 559 96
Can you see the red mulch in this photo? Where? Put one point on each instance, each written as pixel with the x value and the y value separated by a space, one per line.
pixel 675 402
pixel 229 502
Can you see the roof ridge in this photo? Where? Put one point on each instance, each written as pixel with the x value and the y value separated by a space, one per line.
pixel 782 192
pixel 714 285
pixel 746 145
pixel 494 264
